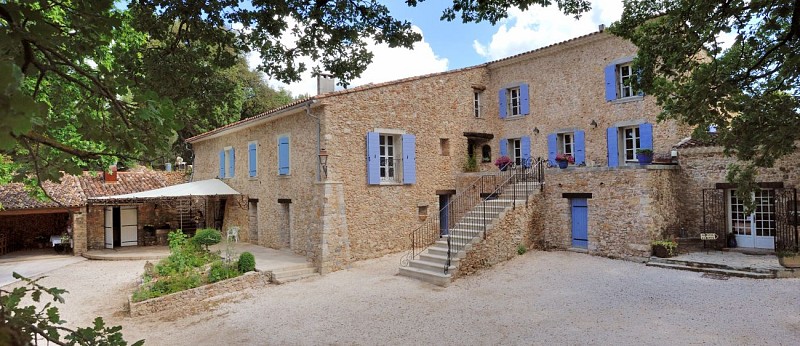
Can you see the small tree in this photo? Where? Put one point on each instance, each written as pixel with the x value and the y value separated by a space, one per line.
pixel 207 237
pixel 247 262
pixel 24 325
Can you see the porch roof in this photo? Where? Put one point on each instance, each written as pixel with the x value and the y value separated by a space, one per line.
pixel 210 187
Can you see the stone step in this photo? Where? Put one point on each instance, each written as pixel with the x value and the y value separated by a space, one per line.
pixel 439 259
pixel 708 265
pixel 439 279
pixel 442 251
pixel 430 266
pixel 728 272
pixel 280 281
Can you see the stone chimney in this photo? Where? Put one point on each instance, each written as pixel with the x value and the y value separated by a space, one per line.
pixel 325 83
pixel 111 175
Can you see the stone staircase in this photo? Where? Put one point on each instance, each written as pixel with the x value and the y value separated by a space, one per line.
pixel 293 273
pixel 430 264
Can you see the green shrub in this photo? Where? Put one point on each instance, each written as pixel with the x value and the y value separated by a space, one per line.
pixel 220 271
pixel 471 165
pixel 521 249
pixel 207 237
pixel 247 262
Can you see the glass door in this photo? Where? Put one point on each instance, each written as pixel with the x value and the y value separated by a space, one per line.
pixel 756 230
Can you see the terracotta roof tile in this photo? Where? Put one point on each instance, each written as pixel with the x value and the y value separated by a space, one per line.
pixel 94 185
pixel 65 194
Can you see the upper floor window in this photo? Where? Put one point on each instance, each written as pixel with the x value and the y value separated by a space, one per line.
pixel 513 101
pixel 476 103
pixel 567 143
pixel 284 156
pixel 227 163
pixel 619 77
pixel 252 158
pixel 624 140
pixel 517 149
pixel 391 158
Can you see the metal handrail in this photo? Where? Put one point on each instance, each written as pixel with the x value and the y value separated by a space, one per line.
pixel 464 202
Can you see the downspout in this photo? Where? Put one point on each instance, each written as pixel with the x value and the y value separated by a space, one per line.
pixel 319 135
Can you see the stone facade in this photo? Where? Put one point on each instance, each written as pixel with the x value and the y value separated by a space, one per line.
pixel 628 208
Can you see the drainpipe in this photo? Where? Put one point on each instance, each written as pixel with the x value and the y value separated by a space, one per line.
pixel 319 136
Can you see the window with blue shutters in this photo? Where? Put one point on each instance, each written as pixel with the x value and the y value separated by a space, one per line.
pixel 619 77
pixel 391 158
pixel 227 161
pixel 567 143
pixel 283 155
pixel 252 158
pixel 624 141
pixel 514 101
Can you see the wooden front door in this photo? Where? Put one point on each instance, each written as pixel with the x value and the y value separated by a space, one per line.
pixel 580 222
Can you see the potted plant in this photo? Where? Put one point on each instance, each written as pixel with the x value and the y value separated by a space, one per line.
pixel 502 162
pixel 645 156
pixel 664 248
pixel 564 160
pixel 789 259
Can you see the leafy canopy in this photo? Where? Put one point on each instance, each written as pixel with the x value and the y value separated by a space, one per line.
pixel 750 90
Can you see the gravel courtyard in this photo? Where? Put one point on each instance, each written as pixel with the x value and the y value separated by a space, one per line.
pixel 537 298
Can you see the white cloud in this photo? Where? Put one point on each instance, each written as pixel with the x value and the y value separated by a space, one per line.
pixel 387 64
pixel 539 27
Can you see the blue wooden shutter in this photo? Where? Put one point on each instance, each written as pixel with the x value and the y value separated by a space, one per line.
pixel 373 161
pixel 525 142
pixel 552 148
pixel 646 136
pixel 409 159
pixel 232 164
pixel 580 147
pixel 524 99
pixel 283 155
pixel 222 163
pixel 613 152
pixel 502 103
pixel 503 147
pixel 611 82
pixel 251 158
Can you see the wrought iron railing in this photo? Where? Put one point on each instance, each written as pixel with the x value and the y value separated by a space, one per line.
pixel 468 213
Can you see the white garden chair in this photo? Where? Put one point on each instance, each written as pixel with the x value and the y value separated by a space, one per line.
pixel 233 232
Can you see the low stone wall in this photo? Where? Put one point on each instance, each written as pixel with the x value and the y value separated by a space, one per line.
pixel 197 295
pixel 520 226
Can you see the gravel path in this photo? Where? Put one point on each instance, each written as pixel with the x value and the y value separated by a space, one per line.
pixel 538 298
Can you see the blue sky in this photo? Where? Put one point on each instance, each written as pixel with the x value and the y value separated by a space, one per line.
pixel 452 45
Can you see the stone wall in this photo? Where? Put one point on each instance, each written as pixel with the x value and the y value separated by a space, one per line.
pixel 197 297
pixel 704 167
pixel 432 108
pixel 521 226
pixel 268 187
pixel 566 93
pixel 629 207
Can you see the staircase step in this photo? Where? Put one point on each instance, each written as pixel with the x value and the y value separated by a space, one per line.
pixel 287 279
pixel 430 266
pixel 728 272
pixel 439 259
pixel 439 279
pixel 442 251
pixel 293 272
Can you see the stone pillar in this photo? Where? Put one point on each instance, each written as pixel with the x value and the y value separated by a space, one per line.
pixel 79 232
pixel 334 239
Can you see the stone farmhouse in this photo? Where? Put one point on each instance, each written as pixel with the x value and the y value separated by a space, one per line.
pixel 355 174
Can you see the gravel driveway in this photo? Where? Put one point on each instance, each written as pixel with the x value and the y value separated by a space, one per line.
pixel 538 298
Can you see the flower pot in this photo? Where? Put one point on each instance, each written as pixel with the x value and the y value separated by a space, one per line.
pixel 644 159
pixel 791 261
pixel 562 164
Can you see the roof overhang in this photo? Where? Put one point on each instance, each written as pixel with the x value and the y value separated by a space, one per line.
pixel 210 187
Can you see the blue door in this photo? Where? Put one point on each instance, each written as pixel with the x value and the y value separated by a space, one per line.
pixel 444 215
pixel 580 221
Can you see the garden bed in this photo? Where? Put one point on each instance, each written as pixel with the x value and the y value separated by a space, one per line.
pixel 197 296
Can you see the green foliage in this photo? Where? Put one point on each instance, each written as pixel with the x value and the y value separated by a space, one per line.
pixel 748 90
pixel 670 245
pixel 521 249
pixel 31 324
pixel 221 270
pixel 207 237
pixel 471 165
pixel 648 152
pixel 247 262
pixel 496 10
